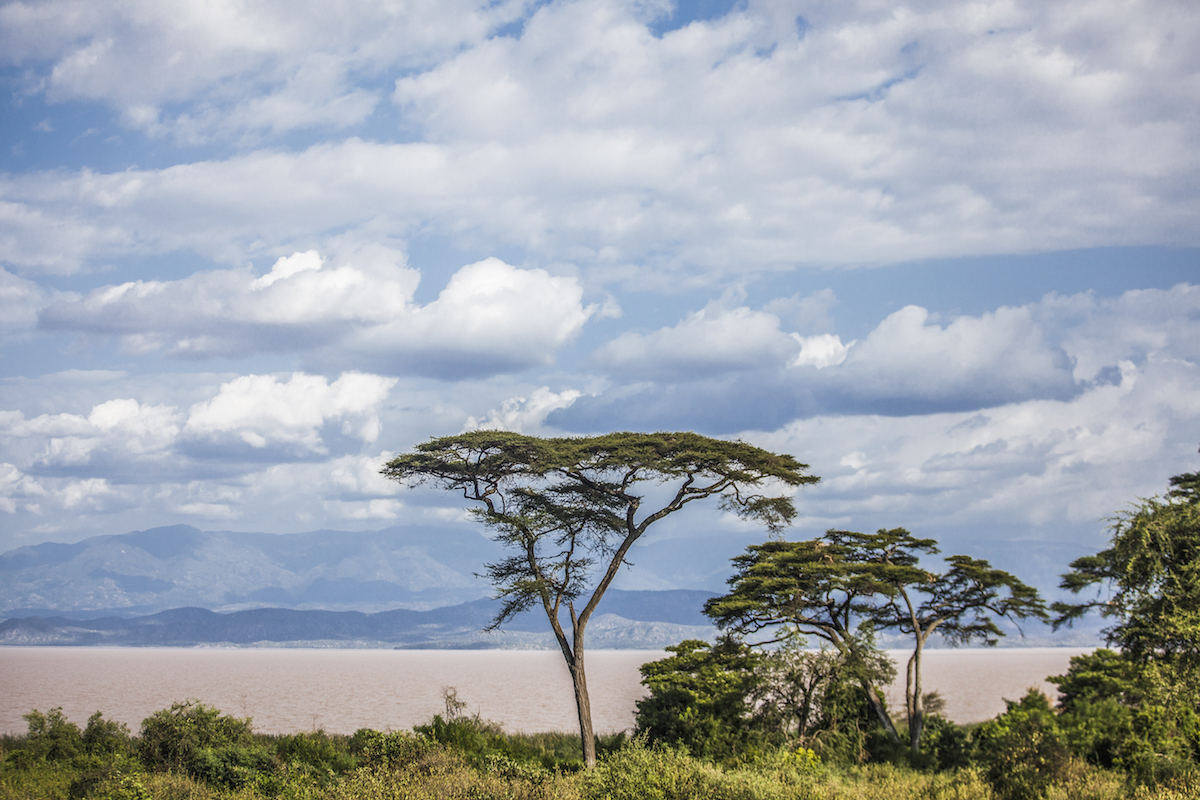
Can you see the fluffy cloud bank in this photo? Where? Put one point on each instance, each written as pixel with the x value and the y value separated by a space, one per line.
pixel 141 442
pixel 728 370
pixel 777 134
pixel 490 318
pixel 204 461
pixel 239 68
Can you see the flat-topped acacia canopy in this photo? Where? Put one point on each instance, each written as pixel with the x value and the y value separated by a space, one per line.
pixel 571 507
pixel 486 464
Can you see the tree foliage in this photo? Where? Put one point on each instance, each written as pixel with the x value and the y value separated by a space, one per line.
pixel 820 588
pixel 570 509
pixel 1148 579
pixel 700 697
pixel 1137 708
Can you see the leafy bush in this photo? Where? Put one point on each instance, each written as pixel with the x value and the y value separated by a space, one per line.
pixel 945 745
pixel 484 742
pixel 317 751
pixel 199 740
pixel 700 698
pixel 51 736
pixel 1022 750
pixel 106 737
pixel 397 750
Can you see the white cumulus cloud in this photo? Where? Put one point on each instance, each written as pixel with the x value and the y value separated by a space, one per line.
pixel 1005 353
pixel 491 317
pixel 820 351
pixel 261 410
pixel 524 414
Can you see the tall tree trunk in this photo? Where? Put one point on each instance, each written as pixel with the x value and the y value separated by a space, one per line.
pixel 908 687
pixel 583 704
pixel 916 717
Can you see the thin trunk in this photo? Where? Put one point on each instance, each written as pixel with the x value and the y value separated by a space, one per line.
pixel 916 720
pixel 880 710
pixel 572 651
pixel 873 698
pixel 908 687
pixel 583 704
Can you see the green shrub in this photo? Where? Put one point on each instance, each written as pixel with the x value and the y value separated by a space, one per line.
pixel 1022 750
pixel 700 699
pixel 170 738
pixel 316 750
pixel 200 741
pixel 105 736
pixel 945 745
pixel 642 772
pixel 51 736
pixel 398 750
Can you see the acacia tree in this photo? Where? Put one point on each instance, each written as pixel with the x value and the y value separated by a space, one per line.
pixel 1151 570
pixel 822 588
pixel 833 586
pixel 960 605
pixel 570 509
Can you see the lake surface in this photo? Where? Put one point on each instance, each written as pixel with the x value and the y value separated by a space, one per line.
pixel 289 690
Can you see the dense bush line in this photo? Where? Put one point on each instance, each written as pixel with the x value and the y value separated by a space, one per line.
pixel 194 752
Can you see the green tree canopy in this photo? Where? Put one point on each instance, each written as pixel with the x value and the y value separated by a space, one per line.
pixel 845 585
pixel 825 588
pixel 1148 579
pixel 570 509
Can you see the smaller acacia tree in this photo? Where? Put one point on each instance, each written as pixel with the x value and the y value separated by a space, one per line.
pixel 570 509
pixel 845 585
pixel 820 588
pixel 960 605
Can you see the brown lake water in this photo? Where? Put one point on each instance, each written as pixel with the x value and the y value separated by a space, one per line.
pixel 289 690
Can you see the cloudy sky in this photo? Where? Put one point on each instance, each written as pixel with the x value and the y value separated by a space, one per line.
pixel 946 253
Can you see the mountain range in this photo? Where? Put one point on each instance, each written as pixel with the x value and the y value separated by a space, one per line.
pixel 402 567
pixel 404 586
pixel 144 572
pixel 675 615
pixel 400 586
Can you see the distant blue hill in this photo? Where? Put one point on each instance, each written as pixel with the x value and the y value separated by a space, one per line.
pixel 178 566
pixel 402 586
pixel 672 615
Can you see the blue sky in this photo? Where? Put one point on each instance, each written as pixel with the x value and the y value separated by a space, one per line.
pixel 945 253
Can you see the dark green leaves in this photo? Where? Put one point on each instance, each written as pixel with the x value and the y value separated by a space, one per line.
pixel 1148 579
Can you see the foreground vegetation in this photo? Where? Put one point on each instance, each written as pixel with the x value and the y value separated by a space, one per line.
pixel 194 752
